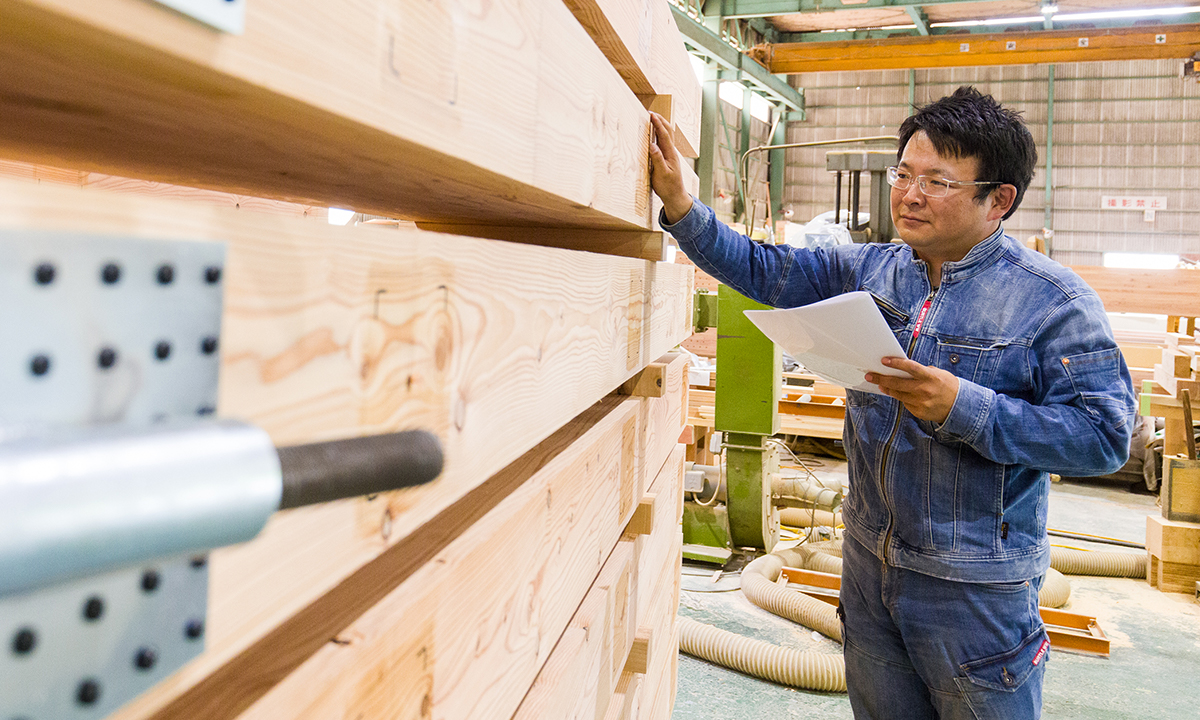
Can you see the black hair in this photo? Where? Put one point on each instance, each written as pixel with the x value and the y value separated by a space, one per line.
pixel 970 124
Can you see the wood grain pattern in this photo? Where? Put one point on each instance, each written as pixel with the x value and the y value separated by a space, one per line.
pixel 642 41
pixel 1160 292
pixel 445 111
pixel 331 332
pixel 583 675
pixel 497 598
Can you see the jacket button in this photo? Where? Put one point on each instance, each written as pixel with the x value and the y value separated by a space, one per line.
pixel 1005 675
pixel 954 359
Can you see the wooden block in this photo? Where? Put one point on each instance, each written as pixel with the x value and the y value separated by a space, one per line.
pixel 649 382
pixel 639 653
pixel 1173 541
pixel 642 41
pixel 1158 292
pixel 642 522
pixel 672 74
pixel 504 113
pixel 659 694
pixel 467 634
pixel 332 332
pixel 1182 341
pixel 1173 577
pixel 580 678
pixel 1177 363
pixel 1141 355
pixel 625 700
pixel 1181 490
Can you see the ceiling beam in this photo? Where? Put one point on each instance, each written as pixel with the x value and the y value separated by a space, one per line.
pixel 742 9
pixel 1000 26
pixel 1143 42
pixel 918 18
pixel 727 56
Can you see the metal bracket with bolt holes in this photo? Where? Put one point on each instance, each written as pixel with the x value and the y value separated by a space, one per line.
pixel 116 331
pixel 226 15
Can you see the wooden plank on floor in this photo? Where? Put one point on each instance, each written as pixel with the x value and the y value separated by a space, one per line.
pixel 332 332
pixel 502 113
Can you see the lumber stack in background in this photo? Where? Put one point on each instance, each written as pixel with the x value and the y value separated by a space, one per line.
pixel 559 505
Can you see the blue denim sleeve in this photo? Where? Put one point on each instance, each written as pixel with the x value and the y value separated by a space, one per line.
pixel 775 275
pixel 1082 419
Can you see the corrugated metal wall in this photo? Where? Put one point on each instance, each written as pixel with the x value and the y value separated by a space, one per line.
pixel 729 136
pixel 1120 128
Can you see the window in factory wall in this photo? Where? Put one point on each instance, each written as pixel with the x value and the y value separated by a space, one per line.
pixel 732 93
pixel 1140 261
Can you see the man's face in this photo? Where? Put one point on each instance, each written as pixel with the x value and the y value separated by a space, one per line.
pixel 941 229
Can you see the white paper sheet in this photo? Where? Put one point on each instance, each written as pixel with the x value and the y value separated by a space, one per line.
pixel 840 339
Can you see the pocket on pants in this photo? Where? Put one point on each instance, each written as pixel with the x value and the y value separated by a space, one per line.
pixel 1007 672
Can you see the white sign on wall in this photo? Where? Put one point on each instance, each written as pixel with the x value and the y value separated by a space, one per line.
pixel 1134 202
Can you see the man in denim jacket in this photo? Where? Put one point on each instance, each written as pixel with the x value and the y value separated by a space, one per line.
pixel 1013 374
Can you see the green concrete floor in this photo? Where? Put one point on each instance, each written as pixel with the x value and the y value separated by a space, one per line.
pixel 1153 670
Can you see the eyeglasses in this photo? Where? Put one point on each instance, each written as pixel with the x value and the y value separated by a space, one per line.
pixel 929 186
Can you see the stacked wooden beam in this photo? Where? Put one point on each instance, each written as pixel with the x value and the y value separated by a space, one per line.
pixel 538 577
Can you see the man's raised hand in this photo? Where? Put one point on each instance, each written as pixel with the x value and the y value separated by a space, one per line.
pixel 666 175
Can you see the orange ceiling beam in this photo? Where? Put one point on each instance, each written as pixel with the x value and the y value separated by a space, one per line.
pixel 1143 42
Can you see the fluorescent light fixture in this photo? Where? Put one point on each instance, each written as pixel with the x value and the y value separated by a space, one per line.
pixel 1076 17
pixel 1140 261
pixel 339 216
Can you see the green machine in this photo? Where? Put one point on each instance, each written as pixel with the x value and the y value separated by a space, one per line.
pixel 739 512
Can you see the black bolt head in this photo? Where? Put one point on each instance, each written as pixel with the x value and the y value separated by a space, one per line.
pixel 206 410
pixel 39 365
pixel 145 658
pixel 212 275
pixel 88 692
pixel 107 358
pixel 110 273
pixel 208 345
pixel 162 350
pixel 24 641
pixel 199 562
pixel 150 581
pixel 43 274
pixel 165 275
pixel 194 629
pixel 93 609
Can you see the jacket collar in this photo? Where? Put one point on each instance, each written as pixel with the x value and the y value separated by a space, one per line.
pixel 978 259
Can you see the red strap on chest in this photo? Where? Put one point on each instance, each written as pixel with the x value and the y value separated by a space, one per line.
pixel 921 317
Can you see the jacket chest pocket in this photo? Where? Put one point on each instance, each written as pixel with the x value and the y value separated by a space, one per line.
pixel 970 358
pixel 897 319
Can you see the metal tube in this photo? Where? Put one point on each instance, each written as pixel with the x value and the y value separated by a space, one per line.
pixel 80 501
pixel 837 199
pixel 744 162
pixel 327 471
pixel 855 178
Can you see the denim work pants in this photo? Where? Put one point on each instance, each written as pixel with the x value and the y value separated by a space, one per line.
pixel 917 646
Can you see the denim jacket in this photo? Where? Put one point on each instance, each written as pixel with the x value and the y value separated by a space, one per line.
pixel 1042 388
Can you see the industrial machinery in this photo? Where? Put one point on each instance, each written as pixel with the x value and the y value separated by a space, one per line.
pixel 736 504
pixel 115 480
